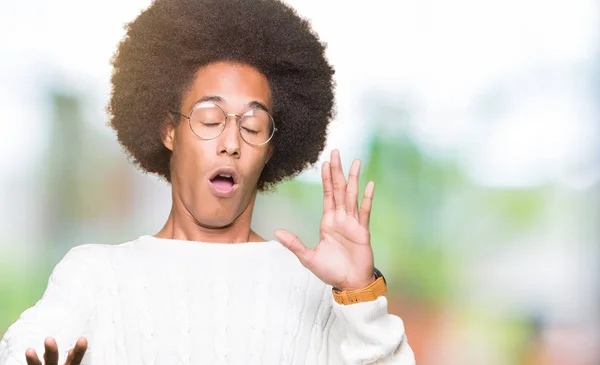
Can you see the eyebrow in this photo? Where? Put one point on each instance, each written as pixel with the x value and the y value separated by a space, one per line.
pixel 217 99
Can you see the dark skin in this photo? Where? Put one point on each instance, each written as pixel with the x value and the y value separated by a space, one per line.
pixel 196 214
pixel 51 353
pixel 343 258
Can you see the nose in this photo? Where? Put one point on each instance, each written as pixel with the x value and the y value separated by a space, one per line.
pixel 229 140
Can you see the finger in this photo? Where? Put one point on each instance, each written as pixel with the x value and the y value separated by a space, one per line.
pixel 69 360
pixel 352 189
pixel 293 243
pixel 328 203
pixel 339 181
pixel 32 357
pixel 51 352
pixel 365 207
pixel 76 354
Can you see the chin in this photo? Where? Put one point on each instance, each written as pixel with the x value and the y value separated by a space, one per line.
pixel 222 218
pixel 223 223
pixel 215 222
pixel 214 213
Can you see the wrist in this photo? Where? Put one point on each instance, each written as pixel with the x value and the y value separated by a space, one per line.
pixel 362 284
pixel 368 293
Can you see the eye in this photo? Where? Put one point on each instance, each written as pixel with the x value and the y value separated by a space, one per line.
pixel 251 131
pixel 210 124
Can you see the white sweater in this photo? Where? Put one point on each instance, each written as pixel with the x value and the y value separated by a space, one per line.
pixel 171 302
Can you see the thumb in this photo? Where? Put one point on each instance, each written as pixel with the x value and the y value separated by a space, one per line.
pixel 293 243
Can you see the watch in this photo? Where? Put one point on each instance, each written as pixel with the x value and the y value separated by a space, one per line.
pixel 370 293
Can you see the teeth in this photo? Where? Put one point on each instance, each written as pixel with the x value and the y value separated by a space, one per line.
pixel 225 175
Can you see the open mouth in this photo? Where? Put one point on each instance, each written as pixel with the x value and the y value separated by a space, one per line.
pixel 223 182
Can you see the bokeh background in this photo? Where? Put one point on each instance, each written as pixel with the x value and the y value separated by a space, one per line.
pixel 478 120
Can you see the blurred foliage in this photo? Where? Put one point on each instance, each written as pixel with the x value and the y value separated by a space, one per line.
pixel 21 288
pixel 407 225
pixel 422 208
pixel 426 221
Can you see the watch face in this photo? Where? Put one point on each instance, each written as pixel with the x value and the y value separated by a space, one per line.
pixel 378 274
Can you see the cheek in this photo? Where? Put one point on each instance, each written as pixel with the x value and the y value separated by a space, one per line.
pixel 189 155
pixel 255 164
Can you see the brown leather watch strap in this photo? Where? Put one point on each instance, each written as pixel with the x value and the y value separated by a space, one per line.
pixel 370 293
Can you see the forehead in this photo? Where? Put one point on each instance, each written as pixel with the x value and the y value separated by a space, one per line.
pixel 238 85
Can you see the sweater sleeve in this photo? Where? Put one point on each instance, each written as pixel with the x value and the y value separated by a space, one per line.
pixel 365 333
pixel 63 311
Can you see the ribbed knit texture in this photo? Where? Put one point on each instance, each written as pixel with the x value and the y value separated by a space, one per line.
pixel 171 302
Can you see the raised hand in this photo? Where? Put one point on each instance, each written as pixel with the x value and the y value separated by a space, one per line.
pixel 51 353
pixel 344 257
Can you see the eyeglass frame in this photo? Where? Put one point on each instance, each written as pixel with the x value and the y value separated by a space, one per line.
pixel 238 119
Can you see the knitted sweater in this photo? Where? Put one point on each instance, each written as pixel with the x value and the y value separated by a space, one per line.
pixel 162 301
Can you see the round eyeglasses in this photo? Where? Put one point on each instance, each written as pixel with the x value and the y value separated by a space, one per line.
pixel 207 121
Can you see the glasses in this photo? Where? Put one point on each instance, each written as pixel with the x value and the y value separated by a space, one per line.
pixel 207 121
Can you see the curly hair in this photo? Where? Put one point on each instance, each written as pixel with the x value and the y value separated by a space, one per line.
pixel 155 63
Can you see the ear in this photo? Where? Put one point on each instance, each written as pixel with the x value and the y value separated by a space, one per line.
pixel 167 135
pixel 269 153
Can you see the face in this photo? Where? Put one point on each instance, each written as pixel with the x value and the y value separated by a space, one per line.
pixel 200 168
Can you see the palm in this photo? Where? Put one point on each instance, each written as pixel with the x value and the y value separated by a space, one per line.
pixel 343 258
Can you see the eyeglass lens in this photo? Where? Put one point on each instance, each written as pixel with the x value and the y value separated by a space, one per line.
pixel 208 121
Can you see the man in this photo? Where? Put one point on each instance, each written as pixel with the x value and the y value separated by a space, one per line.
pixel 222 98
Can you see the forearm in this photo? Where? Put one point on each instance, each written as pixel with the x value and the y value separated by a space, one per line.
pixel 63 312
pixel 365 333
pixel 39 322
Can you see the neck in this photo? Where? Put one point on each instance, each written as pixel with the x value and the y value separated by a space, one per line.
pixel 181 225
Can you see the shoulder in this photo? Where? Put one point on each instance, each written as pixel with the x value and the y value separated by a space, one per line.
pixel 95 257
pixel 94 254
pixel 83 255
pixel 82 266
pixel 87 250
pixel 88 268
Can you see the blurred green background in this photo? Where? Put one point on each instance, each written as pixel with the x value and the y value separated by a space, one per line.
pixel 478 121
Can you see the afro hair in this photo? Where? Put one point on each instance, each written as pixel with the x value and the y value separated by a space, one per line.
pixel 171 40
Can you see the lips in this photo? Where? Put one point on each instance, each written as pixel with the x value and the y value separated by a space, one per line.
pixel 224 181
